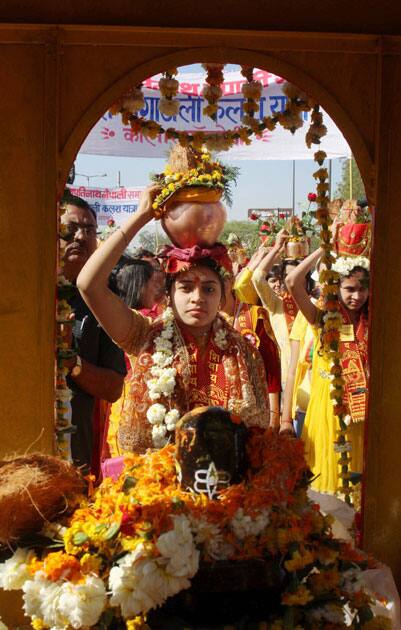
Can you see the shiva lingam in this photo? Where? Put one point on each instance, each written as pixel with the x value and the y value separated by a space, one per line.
pixel 189 204
pixel 211 455
pixel 210 450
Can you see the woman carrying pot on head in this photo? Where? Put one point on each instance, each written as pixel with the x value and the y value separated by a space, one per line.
pixel 189 356
pixel 321 425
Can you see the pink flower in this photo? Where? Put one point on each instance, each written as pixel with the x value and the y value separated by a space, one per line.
pixel 111 222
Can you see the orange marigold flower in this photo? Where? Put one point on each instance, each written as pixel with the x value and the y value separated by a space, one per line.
pixel 60 565
pixel 300 597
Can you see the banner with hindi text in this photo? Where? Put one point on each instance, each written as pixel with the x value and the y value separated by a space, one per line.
pixel 110 137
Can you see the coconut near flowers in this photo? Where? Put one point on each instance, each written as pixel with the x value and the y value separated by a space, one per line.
pixel 140 540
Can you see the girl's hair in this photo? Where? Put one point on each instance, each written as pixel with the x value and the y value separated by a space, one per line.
pixel 309 283
pixel 209 263
pixel 132 279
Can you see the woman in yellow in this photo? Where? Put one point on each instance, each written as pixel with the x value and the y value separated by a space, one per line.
pixel 319 433
pixel 281 308
pixel 252 320
pixel 297 389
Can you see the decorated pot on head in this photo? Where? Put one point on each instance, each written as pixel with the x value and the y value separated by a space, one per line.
pixel 210 450
pixel 236 250
pixel 189 204
pixel 297 245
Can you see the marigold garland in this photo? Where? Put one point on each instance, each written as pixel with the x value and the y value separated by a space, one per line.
pixel 332 318
pixel 291 118
pixel 139 540
pixel 63 395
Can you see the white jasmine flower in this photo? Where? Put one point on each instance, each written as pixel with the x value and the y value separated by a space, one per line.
pixel 171 419
pixel 159 432
pixel 41 599
pixel 163 345
pixel 204 530
pixel 162 359
pixel 155 414
pixel 14 571
pixel 82 604
pixel 177 546
pixel 138 583
pixel 345 264
pixel 244 525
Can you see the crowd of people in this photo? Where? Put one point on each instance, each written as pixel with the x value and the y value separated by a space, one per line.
pixel 161 333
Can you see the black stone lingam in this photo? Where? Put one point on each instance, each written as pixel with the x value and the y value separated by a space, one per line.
pixel 210 450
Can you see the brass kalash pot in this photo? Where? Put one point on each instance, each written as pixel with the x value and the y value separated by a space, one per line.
pixel 195 217
pixel 298 244
pixel 193 213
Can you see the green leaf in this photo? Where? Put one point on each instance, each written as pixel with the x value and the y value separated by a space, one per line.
pixel 129 483
pixel 112 531
pixel 80 538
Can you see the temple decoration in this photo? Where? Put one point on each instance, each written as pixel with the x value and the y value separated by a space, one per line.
pixel 253 123
pixel 332 319
pixel 168 87
pixel 212 90
pixel 63 395
pixel 142 552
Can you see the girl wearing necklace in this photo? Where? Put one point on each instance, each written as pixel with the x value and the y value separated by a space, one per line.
pixel 188 357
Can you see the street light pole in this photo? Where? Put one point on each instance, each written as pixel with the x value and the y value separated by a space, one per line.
pixel 89 177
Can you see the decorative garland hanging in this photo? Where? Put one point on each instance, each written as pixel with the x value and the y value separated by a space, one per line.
pixel 63 394
pixel 332 318
pixel 291 118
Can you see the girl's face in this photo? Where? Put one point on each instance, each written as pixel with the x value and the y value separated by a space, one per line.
pixel 274 283
pixel 153 291
pixel 354 291
pixel 196 296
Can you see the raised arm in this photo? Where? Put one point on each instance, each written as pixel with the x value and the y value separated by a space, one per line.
pixel 271 257
pixel 114 316
pixel 295 282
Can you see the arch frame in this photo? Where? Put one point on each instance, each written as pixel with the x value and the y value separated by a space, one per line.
pixel 267 62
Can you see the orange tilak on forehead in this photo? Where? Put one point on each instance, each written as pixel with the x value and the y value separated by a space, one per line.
pixel 198 276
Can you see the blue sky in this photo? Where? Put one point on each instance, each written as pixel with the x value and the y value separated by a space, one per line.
pixel 261 184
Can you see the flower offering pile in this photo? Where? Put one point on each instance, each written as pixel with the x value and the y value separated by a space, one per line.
pixel 137 542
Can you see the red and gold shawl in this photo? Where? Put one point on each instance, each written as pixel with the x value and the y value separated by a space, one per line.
pixel 233 378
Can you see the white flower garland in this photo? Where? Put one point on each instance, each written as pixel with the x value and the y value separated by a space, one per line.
pixel 345 264
pixel 163 380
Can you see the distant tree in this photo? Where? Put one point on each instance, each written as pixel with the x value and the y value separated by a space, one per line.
pixel 343 188
pixel 152 240
pixel 247 232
